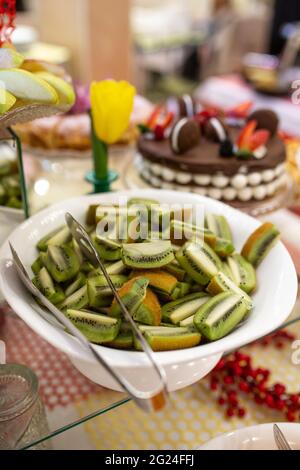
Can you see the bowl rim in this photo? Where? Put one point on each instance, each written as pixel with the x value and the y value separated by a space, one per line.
pixel 70 345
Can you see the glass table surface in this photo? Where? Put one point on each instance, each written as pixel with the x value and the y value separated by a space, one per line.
pixel 62 387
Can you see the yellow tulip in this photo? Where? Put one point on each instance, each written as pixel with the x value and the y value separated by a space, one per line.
pixel 112 106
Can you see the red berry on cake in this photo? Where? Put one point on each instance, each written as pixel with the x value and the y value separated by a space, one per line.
pixel 185 135
pixel 266 119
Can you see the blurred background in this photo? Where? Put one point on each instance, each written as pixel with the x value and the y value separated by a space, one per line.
pixel 162 46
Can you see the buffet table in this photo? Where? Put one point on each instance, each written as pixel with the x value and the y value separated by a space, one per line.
pixel 82 415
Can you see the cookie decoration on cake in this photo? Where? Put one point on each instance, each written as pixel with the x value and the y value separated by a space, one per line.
pixel 215 130
pixel 187 106
pixel 266 119
pixel 185 135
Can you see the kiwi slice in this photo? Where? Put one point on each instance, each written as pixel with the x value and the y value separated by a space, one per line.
pixel 2 194
pixel 108 249
pixel 79 282
pixel 42 244
pixel 98 329
pixel 139 202
pixel 37 266
pixel 99 292
pixel 176 270
pixel 46 286
pixel 87 267
pixel 182 232
pixel 62 263
pixel 160 280
pixel 77 301
pixel 219 226
pixel 151 255
pixel 14 202
pixel 172 340
pixel 223 247
pixel 149 312
pixel 199 261
pixel 260 243
pixel 116 268
pixel 123 341
pixel 6 167
pixel 132 293
pixel 221 315
pixel 242 273
pixel 175 312
pixel 221 283
pixel 91 215
pixel 11 185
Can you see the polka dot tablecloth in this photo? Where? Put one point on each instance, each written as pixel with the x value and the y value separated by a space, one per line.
pixel 193 416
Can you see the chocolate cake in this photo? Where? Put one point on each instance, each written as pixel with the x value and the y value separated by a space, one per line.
pixel 240 161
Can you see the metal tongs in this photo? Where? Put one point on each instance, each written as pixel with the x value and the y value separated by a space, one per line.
pixel 148 401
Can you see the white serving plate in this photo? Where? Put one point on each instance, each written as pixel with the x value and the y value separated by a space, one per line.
pixel 273 301
pixel 255 438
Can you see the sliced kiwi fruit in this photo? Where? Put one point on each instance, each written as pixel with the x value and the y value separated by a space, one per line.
pixel 91 215
pixel 151 255
pixel 149 312
pixel 79 282
pixel 158 279
pixel 14 202
pixel 11 185
pixel 77 301
pixel 124 340
pixel 47 287
pixel 139 202
pixel 182 232
pixel 221 283
pixel 227 271
pixel 2 194
pixel 98 329
pixel 176 270
pixel 199 261
pixel 221 315
pixel 181 290
pixel 175 312
pixel 99 292
pixel 132 294
pixel 87 267
pixel 5 167
pixel 223 247
pixel 108 249
pixel 62 263
pixel 219 226
pixel 188 322
pixel 169 341
pixel 37 266
pixel 116 268
pixel 59 237
pixel 260 243
pixel 242 273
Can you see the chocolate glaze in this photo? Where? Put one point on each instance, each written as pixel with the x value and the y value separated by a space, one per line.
pixel 205 158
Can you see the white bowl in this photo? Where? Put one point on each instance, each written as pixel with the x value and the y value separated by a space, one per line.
pixel 255 438
pixel 274 299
